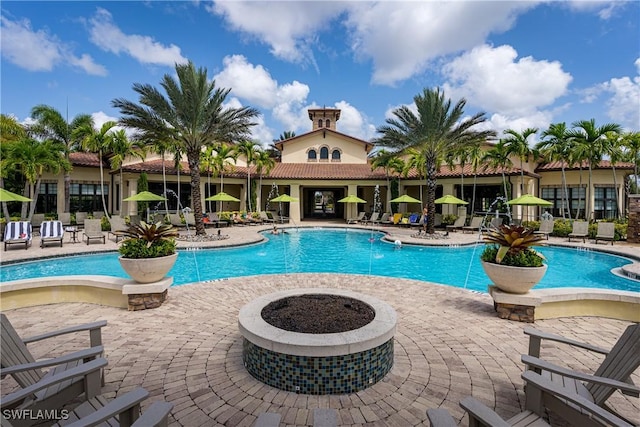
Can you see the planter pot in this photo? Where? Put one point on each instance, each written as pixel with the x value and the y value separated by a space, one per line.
pixel 148 270
pixel 515 280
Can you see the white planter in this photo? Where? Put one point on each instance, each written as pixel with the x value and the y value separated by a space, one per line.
pixel 148 270
pixel 515 280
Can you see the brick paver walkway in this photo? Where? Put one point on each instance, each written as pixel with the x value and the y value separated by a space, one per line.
pixel 449 345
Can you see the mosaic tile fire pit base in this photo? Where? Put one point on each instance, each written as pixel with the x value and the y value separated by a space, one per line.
pixel 337 363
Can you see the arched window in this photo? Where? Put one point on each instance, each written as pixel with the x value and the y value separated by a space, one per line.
pixel 335 155
pixel 320 123
pixel 327 123
pixel 312 155
pixel 324 153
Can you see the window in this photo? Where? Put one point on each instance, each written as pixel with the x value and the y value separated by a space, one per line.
pixel 87 197
pixel 324 153
pixel 320 123
pixel 335 156
pixel 312 155
pixel 327 123
pixel 47 198
pixel 605 203
pixel 576 201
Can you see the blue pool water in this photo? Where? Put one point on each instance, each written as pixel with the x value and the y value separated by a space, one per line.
pixel 345 251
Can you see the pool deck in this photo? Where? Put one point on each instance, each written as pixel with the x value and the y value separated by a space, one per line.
pixel 449 344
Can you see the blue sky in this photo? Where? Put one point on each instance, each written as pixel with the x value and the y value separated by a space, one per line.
pixel 526 64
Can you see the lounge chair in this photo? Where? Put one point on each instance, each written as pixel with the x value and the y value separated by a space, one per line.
pixel 51 232
pixel 437 220
pixel 217 222
pixel 80 218
pixel 97 214
pixel 190 219
pixel 176 220
pixel 357 219
pixel 541 394
pixel 613 373
pixel 117 224
pixel 96 410
pixel 606 231
pixel 474 226
pixel 494 223
pixel 65 218
pixel 36 222
pixel 93 231
pixel 397 217
pixel 418 223
pixel 580 230
pixel 384 219
pixel 16 360
pixel 457 224
pixel 546 228
pixel 17 233
pixel 265 218
pixel 373 219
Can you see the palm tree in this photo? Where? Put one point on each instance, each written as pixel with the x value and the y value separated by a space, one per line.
pixel 192 116
pixel 32 158
pixel 613 148
pixel 10 132
pixel 98 142
pixel 498 157
pixel 436 130
pixel 517 144
pixel 557 147
pixel 121 148
pixel 273 150
pixel 224 153
pixel 474 155
pixel 388 162
pixel 206 165
pixel 631 144
pixel 249 150
pixel 50 124
pixel 264 163
pixel 590 140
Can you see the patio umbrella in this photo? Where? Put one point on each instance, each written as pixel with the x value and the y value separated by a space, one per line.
pixel 284 198
pixel 405 199
pixel 222 197
pixel 144 196
pixel 351 198
pixel 450 200
pixel 529 200
pixel 8 196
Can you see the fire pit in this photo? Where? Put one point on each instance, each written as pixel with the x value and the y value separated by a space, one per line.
pixel 321 359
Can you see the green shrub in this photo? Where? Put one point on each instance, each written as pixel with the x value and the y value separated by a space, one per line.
pixel 449 219
pixel 526 258
pixel 138 248
pixel 105 224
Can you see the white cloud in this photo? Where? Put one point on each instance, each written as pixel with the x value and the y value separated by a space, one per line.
pixel 605 8
pixel 353 123
pixel 108 37
pixel 39 50
pixel 101 118
pixel 495 80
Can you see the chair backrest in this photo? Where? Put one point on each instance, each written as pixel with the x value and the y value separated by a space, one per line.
pixel 263 216
pixel 413 218
pixel 190 219
pixel 80 217
pixel 15 352
pixel 460 221
pixel 437 220
pixel 175 219
pixel 374 216
pixel 397 217
pixel 606 229
pixel 92 227
pixel 37 220
pixel 51 229
pixel 620 363
pixel 546 226
pixel 18 230
pixel 580 228
pixel 213 216
pixel 476 222
pixel 497 222
pixel 118 223
pixel 361 215
pixel 98 214
pixel 65 217
pixel 384 217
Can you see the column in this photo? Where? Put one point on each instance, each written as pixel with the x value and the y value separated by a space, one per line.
pixel 294 208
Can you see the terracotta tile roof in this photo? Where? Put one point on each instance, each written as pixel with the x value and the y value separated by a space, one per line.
pixel 86 159
pixel 604 164
pixel 155 166
pixel 325 171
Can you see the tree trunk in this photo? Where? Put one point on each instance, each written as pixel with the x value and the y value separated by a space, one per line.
pixel 67 191
pixel 36 192
pixel 431 194
pixel 193 158
pixel 104 202
pixel 615 191
pixel 565 195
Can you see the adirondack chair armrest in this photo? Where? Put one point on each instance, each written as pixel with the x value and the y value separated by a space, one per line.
pixel 536 336
pixel 557 391
pixel 155 415
pixel 84 369
pixel 94 329
pixel 89 353
pixel 440 417
pixel 626 388
pixel 480 412
pixel 119 405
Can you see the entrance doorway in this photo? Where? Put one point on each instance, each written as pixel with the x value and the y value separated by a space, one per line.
pixel 321 203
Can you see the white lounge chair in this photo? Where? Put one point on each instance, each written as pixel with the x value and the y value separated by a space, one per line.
pixel 546 228
pixel 606 231
pixel 357 219
pixel 93 231
pixel 474 226
pixel 457 224
pixel 580 230
pixel 18 233
pixel 117 224
pixel 372 219
pixel 51 232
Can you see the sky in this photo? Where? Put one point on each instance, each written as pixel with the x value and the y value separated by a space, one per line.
pixel 524 64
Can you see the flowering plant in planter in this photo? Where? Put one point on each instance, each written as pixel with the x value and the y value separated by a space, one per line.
pixel 511 245
pixel 148 240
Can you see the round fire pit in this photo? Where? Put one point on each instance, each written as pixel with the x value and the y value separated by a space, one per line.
pixel 318 362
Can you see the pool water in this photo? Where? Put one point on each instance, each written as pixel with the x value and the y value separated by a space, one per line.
pixel 345 251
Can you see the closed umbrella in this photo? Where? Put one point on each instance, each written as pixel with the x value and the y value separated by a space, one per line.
pixel 8 196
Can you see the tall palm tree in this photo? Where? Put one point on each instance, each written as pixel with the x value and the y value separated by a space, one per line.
pixel 121 148
pixel 99 142
pixel 631 144
pixel 206 165
pixel 556 146
pixel 388 162
pixel 264 164
pixel 32 158
pixel 224 154
pixel 613 148
pixel 517 143
pixel 191 116
pixel 498 157
pixel 10 132
pixel 249 150
pixel 50 124
pixel 474 156
pixel 436 130
pixel 273 150
pixel 590 140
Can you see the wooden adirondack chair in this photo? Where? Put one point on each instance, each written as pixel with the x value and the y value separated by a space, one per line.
pixel 123 411
pixel 613 374
pixel 16 360
pixel 540 394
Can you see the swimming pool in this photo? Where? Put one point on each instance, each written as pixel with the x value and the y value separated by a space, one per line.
pixel 345 251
